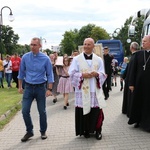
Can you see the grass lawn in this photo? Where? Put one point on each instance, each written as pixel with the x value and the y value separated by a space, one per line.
pixel 9 99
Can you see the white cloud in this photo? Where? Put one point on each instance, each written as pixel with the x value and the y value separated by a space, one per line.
pixel 50 19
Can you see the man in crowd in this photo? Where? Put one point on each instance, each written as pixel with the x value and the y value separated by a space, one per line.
pixel 108 70
pixel 15 67
pixel 87 76
pixel 127 94
pixel 139 82
pixel 36 70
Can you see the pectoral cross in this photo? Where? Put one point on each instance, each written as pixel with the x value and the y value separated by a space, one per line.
pixel 144 66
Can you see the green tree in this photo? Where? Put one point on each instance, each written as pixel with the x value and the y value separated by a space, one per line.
pixel 99 33
pixel 48 51
pixel 138 30
pixel 68 43
pixel 83 33
pixel 123 34
pixel 72 39
pixel 9 40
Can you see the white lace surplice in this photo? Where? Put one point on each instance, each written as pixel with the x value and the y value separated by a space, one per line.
pixel 76 79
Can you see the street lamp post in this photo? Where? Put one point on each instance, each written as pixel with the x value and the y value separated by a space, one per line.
pixel 11 18
pixel 116 32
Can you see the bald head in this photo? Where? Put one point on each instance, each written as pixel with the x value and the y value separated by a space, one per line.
pixel 147 36
pixel 146 42
pixel 88 45
pixel 89 39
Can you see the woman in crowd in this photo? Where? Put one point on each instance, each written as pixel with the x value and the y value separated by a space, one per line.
pixel 123 68
pixel 56 78
pixel 64 85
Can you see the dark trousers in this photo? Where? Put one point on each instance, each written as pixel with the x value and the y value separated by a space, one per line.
pixel 90 122
pixel 14 76
pixel 107 86
pixel 1 78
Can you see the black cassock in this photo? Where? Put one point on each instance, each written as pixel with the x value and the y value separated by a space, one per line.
pixel 127 94
pixel 140 79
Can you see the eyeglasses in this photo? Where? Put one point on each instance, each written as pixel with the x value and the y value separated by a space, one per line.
pixel 33 44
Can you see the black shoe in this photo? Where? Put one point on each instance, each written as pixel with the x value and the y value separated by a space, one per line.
pixel 65 107
pixel 112 84
pixel 115 84
pixel 86 134
pixel 98 135
pixel 121 89
pixel 136 125
pixel 55 100
pixel 27 136
pixel 67 104
pixel 43 136
pixel 2 86
pixel 106 97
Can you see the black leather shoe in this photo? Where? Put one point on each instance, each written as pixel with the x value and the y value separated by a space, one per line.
pixel 55 100
pixel 67 104
pixel 86 134
pixel 121 88
pixel 136 125
pixel 65 107
pixel 98 135
pixel 106 98
pixel 43 136
pixel 27 136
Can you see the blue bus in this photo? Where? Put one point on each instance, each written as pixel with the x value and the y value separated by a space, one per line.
pixel 115 48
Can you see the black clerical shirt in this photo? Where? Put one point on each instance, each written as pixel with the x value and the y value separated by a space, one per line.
pixel 88 57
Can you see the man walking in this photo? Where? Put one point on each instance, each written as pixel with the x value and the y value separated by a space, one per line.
pixel 36 70
pixel 108 70
pixel 87 76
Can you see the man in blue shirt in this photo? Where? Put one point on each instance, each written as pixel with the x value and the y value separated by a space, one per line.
pixel 36 70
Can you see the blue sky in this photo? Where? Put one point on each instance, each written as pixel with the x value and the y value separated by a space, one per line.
pixel 50 19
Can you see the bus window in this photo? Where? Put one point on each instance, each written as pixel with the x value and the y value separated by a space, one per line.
pixel 115 47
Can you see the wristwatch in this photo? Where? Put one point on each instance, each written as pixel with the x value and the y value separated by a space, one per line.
pixel 49 89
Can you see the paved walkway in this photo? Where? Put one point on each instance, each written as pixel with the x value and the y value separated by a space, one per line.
pixel 117 134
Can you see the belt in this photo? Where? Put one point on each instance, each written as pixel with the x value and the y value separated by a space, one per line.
pixel 65 76
pixel 41 84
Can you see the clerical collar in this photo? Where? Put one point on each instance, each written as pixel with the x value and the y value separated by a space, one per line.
pixel 88 56
pixel 35 54
pixel 148 50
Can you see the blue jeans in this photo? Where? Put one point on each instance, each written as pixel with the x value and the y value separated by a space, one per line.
pixel 1 78
pixel 32 92
pixel 8 77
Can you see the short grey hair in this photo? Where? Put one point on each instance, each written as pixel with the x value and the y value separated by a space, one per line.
pixel 135 45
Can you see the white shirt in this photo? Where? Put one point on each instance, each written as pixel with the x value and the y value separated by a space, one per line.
pixel 7 69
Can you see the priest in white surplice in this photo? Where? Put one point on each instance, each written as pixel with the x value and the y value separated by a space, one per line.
pixel 87 76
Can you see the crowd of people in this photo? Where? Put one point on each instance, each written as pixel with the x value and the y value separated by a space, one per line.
pixel 9 68
pixel 89 76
